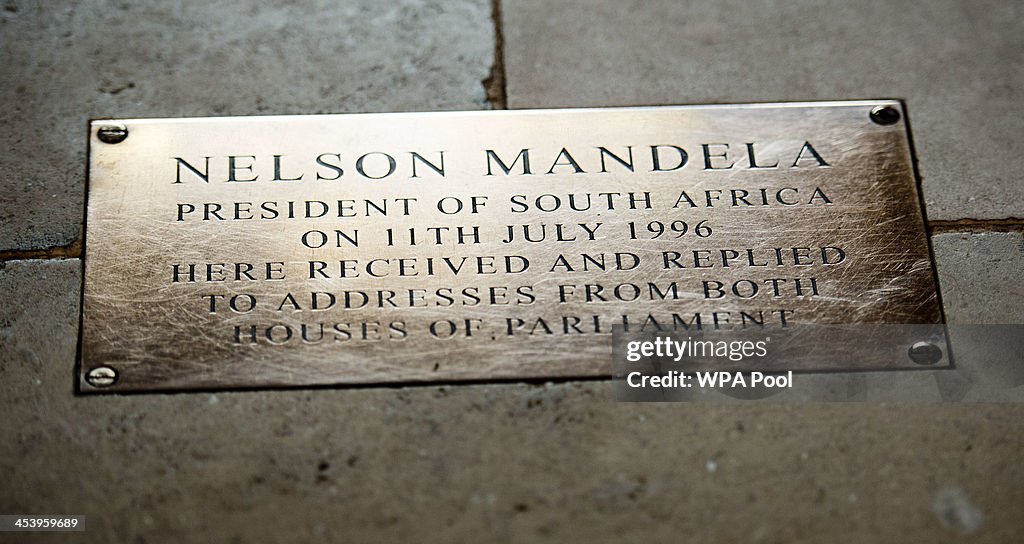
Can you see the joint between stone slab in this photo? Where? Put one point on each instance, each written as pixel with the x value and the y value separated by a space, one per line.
pixel 1010 224
pixel 70 251
pixel 495 82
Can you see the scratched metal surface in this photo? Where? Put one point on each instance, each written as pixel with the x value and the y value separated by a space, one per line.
pixel 162 336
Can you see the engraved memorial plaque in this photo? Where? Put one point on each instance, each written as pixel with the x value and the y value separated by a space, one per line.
pixel 437 247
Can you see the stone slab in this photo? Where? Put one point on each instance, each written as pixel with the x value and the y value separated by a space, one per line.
pixel 959 64
pixel 68 62
pixel 503 462
pixel 979 276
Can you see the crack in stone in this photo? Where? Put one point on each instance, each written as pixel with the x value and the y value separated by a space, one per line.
pixel 1010 224
pixel 70 251
pixel 495 83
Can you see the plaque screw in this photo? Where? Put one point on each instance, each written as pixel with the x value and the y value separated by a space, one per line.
pixel 112 134
pixel 925 353
pixel 101 376
pixel 885 115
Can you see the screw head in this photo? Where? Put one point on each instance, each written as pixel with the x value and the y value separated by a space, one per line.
pixel 101 376
pixel 925 353
pixel 112 134
pixel 885 115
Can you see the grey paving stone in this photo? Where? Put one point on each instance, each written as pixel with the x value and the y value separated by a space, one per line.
pixel 958 63
pixel 979 275
pixel 510 462
pixel 66 62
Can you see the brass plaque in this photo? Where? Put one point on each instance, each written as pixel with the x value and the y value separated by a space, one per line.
pixel 437 247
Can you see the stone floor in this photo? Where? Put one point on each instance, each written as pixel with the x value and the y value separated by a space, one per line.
pixel 503 462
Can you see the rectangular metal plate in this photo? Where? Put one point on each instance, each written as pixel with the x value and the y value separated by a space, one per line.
pixel 345 249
